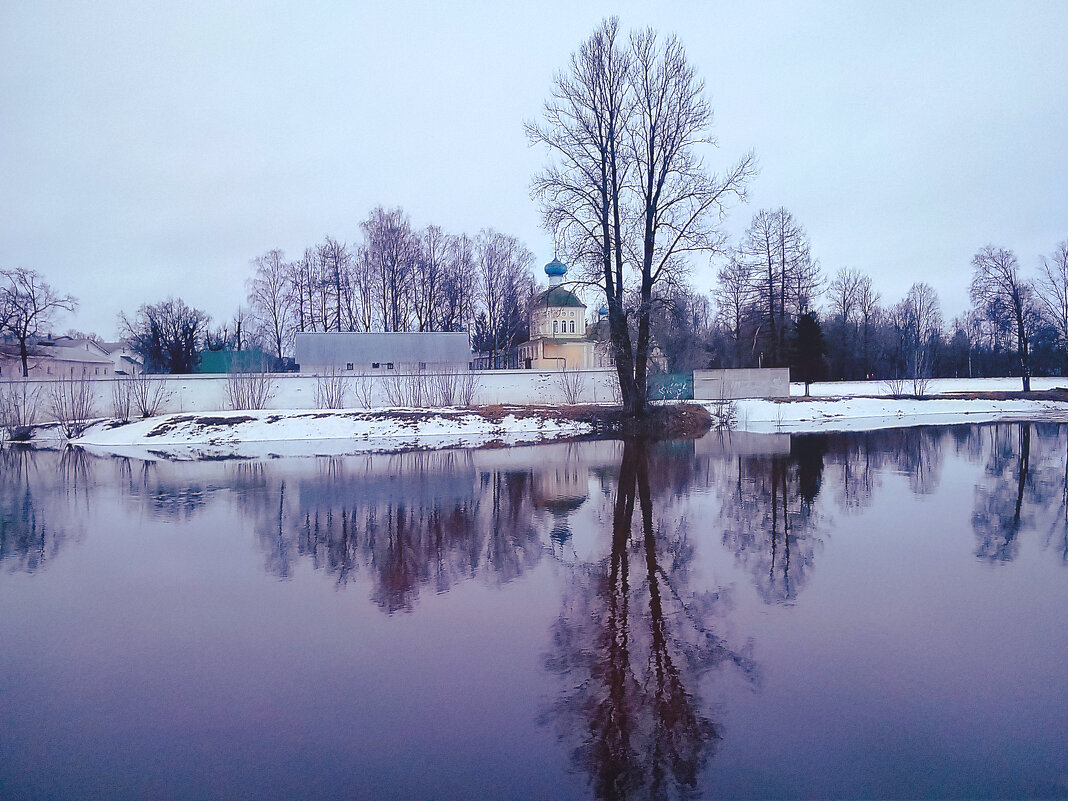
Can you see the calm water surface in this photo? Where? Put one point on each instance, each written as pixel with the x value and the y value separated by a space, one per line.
pixel 848 615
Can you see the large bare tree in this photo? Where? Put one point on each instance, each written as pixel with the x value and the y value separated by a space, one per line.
pixel 167 335
pixel 626 191
pixel 29 305
pixel 1002 294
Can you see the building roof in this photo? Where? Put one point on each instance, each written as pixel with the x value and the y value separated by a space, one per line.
pixel 437 347
pixel 558 296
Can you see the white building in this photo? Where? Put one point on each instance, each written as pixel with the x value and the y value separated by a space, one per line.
pixel 375 352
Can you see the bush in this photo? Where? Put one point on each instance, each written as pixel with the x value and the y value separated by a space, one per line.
pixel 71 403
pixel 19 406
pixel 330 389
pixel 249 390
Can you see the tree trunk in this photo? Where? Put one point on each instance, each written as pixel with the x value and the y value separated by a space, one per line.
pixel 1022 348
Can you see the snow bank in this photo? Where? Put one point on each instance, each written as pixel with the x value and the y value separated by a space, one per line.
pixel 300 432
pixel 856 413
pixel 936 386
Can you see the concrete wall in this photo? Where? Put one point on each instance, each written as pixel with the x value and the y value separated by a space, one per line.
pixel 208 393
pixel 769 382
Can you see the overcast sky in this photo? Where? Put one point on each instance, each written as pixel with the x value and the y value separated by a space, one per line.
pixel 147 152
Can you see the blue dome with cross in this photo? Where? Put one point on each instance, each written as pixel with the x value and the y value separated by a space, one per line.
pixel 555 268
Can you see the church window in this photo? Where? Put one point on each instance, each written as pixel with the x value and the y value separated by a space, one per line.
pixel 554 327
pixel 572 326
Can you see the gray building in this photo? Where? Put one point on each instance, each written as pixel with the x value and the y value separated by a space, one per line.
pixel 383 352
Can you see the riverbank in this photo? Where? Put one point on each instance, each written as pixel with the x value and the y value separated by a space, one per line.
pixel 254 434
pixel 855 413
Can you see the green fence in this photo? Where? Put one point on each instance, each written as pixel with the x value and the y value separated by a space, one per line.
pixel 671 386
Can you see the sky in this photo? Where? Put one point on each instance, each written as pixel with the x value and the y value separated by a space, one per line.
pixel 151 150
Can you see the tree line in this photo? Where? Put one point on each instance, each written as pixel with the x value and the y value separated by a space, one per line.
pixel 393 278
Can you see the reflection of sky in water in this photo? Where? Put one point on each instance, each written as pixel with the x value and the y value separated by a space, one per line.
pixel 868 614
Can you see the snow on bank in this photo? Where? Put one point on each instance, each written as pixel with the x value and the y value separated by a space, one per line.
pixel 278 433
pixel 936 386
pixel 856 413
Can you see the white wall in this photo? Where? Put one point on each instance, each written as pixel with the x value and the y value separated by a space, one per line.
pixel 768 382
pixel 208 393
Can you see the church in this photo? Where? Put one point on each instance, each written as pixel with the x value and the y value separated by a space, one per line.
pixel 557 327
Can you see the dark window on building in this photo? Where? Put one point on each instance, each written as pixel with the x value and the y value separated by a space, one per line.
pixel 375 365
pixel 422 365
pixel 572 326
pixel 389 365
pixel 348 365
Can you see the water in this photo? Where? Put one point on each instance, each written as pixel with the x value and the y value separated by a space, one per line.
pixel 854 615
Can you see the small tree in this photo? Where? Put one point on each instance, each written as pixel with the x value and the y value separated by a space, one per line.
pixel 810 347
pixel 29 305
pixel 999 291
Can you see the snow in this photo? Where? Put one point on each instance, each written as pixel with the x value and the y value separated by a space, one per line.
pixel 858 413
pixel 302 432
pixel 936 386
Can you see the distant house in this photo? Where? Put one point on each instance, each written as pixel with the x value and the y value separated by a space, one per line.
pixel 382 352
pixel 59 357
pixel 123 359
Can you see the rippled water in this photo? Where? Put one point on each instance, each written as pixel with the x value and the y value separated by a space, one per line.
pixel 854 615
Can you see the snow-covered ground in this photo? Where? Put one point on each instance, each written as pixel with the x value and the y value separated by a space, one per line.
pixel 859 413
pixel 302 432
pixel 936 386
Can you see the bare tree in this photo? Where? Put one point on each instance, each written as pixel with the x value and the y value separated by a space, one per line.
pixel 271 301
pixel 29 305
pixel 626 191
pixel 335 262
pixel 843 294
pixel 1052 289
pixel 1000 291
pixel 392 251
pixel 868 310
pixel 786 278
pixel 429 276
pixel 456 311
pixel 363 285
pixel 166 335
pixel 734 296
pixel 921 321
pixel 503 267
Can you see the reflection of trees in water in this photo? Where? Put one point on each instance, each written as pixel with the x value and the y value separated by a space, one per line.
pixel 769 516
pixel 856 462
pixel 630 653
pixel 769 510
pixel 1024 487
pixel 44 499
pixel 408 526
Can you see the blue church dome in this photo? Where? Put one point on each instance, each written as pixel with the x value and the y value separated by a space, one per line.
pixel 555 267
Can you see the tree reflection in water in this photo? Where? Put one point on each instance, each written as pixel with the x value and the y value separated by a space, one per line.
pixel 1023 477
pixel 44 499
pixel 770 519
pixel 630 651
pixel 442 522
